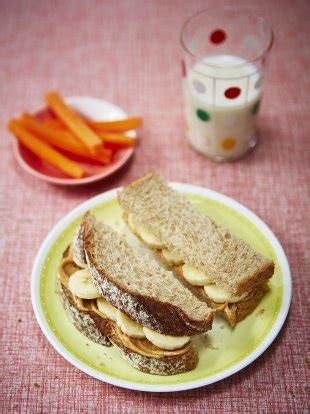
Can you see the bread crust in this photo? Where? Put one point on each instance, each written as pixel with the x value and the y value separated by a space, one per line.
pixel 160 316
pixel 156 217
pixel 104 332
pixel 78 245
pixel 257 279
pixel 87 322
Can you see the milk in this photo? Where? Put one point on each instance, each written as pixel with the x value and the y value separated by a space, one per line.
pixel 221 126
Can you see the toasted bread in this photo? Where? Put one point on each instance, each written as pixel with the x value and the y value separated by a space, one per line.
pixel 138 286
pixel 140 353
pixel 231 263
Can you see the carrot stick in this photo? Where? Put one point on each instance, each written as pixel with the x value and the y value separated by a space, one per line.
pixel 53 135
pixel 101 126
pixel 114 140
pixel 104 153
pixel 56 123
pixel 119 125
pixel 62 139
pixel 73 121
pixel 45 151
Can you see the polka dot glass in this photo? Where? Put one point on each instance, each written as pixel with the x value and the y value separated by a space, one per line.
pixel 224 59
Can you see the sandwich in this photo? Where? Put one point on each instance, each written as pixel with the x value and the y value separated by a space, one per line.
pixel 218 267
pixel 116 296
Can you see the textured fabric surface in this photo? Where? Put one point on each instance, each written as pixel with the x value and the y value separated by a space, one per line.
pixel 127 52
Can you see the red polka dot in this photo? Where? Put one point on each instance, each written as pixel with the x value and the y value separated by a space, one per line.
pixel 183 68
pixel 232 93
pixel 217 36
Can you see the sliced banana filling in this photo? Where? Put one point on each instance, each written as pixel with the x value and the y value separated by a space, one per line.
pixel 135 330
pixel 147 236
pixel 171 257
pixel 81 285
pixel 128 326
pixel 198 277
pixel 220 296
pixel 106 308
pixel 165 341
pixel 195 276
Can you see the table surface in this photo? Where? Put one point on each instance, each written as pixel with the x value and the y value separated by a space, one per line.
pixel 127 52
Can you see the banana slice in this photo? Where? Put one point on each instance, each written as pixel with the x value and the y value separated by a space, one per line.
pixel 133 223
pixel 147 236
pixel 150 238
pixel 171 257
pixel 128 326
pixel 195 276
pixel 106 308
pixel 165 341
pixel 78 262
pixel 81 285
pixel 220 296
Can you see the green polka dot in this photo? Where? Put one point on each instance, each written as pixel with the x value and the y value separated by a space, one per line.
pixel 255 107
pixel 203 115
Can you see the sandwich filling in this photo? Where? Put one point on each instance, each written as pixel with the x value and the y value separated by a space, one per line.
pixel 135 336
pixel 191 274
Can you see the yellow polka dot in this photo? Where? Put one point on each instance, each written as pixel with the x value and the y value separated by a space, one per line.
pixel 186 126
pixel 228 143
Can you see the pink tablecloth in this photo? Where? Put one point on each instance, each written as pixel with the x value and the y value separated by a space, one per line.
pixel 127 52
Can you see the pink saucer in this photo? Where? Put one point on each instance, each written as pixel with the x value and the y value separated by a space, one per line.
pixel 93 108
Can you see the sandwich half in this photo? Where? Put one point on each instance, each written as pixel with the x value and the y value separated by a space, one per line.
pixel 117 296
pixel 219 268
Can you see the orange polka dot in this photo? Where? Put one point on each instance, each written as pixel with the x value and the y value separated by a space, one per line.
pixel 228 143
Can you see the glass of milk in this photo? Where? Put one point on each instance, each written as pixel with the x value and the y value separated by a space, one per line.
pixel 224 60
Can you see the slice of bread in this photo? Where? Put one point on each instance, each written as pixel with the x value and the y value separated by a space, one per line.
pixel 137 285
pixel 140 353
pixel 192 235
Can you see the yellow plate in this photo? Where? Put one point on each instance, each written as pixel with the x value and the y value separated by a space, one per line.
pixel 222 352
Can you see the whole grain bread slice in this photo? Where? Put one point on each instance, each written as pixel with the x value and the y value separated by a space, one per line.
pixel 105 332
pixel 137 285
pixel 192 235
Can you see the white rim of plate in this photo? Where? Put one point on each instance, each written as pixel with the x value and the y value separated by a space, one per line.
pixel 190 189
